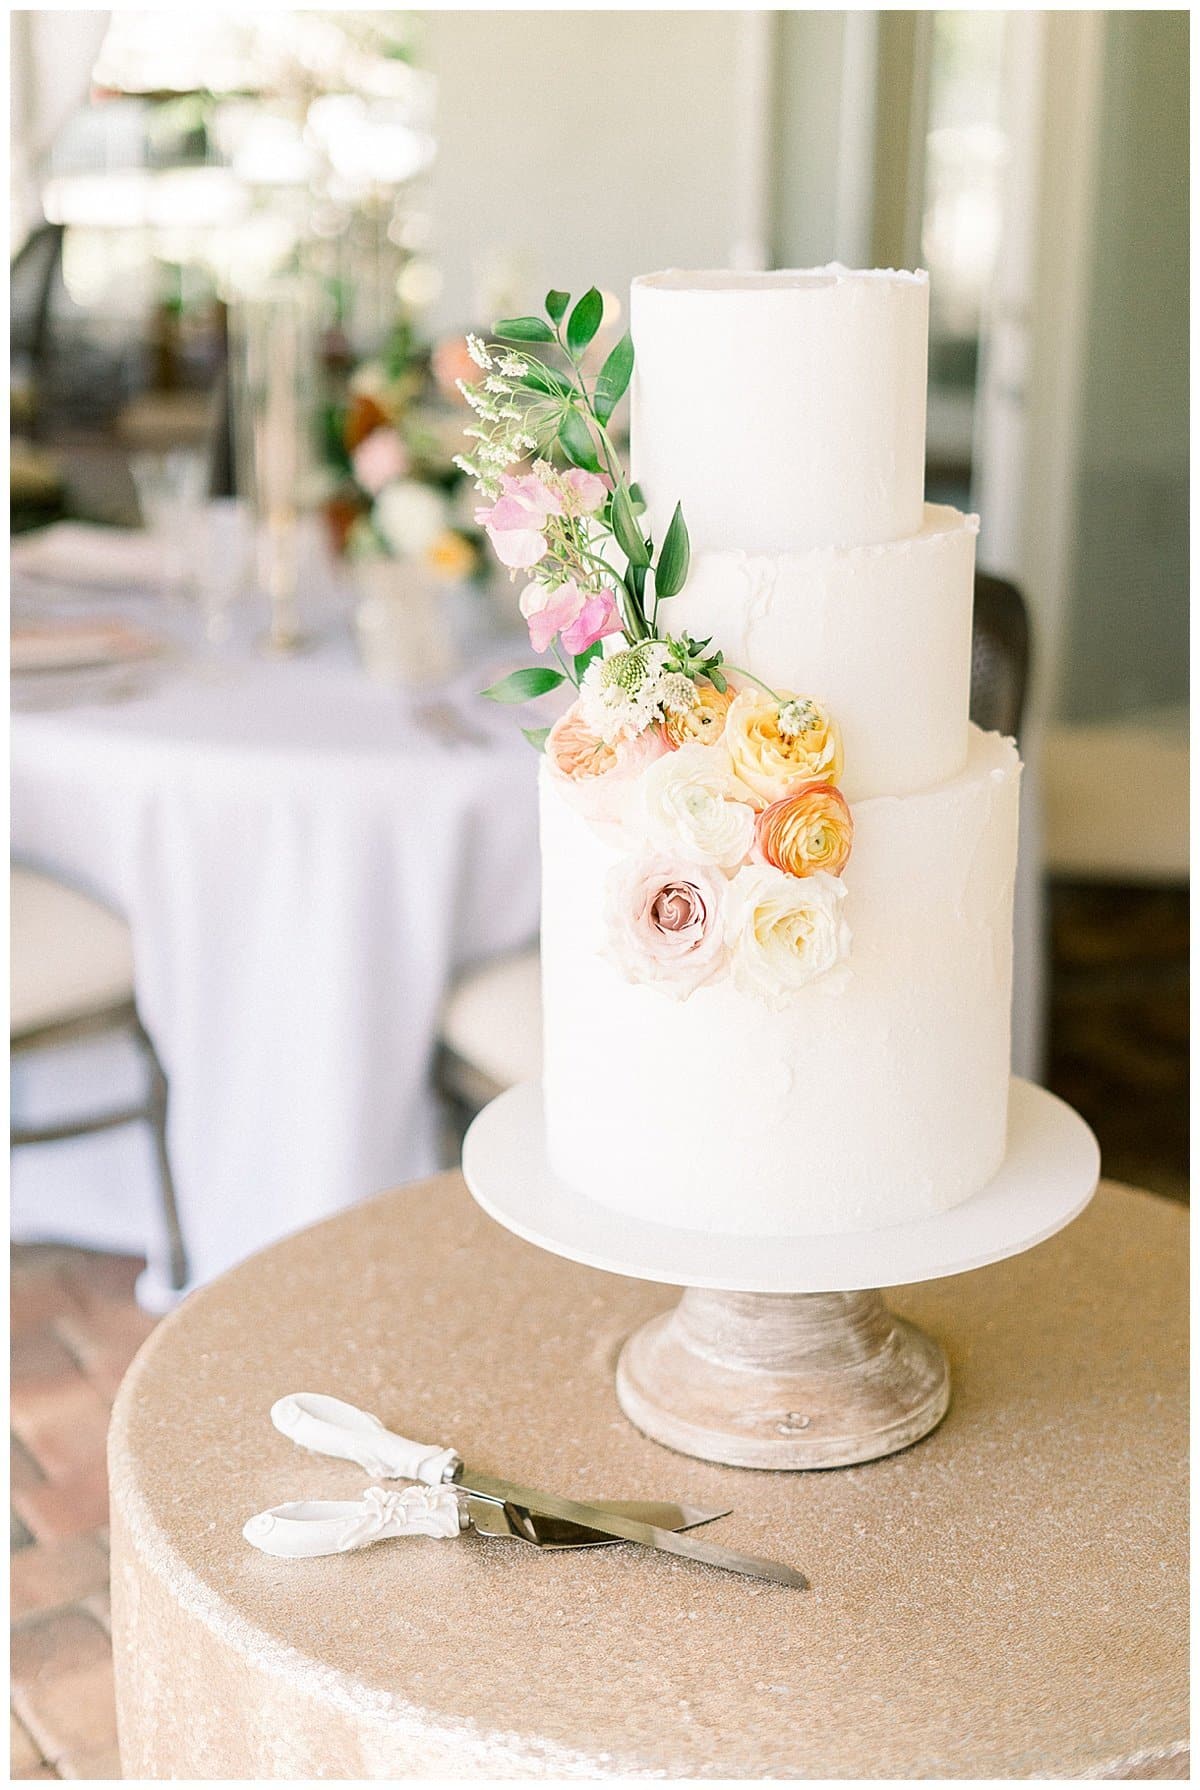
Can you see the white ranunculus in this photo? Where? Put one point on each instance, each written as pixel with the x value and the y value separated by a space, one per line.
pixel 784 931
pixel 410 516
pixel 690 807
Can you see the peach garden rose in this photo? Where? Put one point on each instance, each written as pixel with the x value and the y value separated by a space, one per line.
pixel 776 744
pixel 807 831
pixel 591 770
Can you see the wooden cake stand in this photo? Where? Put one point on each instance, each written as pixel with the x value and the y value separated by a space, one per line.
pixel 782 1353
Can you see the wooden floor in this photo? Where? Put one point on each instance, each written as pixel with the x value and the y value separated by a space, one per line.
pixel 75 1328
pixel 1118 1051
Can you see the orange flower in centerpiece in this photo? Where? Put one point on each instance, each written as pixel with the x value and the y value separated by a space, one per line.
pixel 704 721
pixel 812 829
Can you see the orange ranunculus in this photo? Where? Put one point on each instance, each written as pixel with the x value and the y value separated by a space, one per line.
pixel 704 722
pixel 809 830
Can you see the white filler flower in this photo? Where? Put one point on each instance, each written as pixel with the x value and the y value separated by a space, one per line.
pixel 784 931
pixel 690 808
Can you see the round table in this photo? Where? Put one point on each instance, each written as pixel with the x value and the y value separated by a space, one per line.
pixel 306 861
pixel 1005 1599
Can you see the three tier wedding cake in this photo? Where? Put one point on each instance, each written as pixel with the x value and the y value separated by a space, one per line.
pixel 778 859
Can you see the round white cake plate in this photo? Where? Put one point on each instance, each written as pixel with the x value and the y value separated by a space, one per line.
pixel 782 1353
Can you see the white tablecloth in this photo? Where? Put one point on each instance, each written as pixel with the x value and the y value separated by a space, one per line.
pixel 305 860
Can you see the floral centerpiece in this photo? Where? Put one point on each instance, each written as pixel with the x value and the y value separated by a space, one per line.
pixel 721 793
pixel 398 493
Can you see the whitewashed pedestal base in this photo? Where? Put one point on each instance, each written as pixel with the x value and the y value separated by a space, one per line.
pixel 783 1380
pixel 782 1353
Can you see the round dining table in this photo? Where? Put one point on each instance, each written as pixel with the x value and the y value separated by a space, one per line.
pixel 306 859
pixel 1005 1599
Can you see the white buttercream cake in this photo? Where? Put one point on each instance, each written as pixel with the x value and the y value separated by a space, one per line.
pixel 875 1091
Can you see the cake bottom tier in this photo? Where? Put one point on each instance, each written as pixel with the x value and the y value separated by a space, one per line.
pixel 878 1094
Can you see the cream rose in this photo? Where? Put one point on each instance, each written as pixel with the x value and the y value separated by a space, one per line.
pixel 666 923
pixel 690 808
pixel 784 931
pixel 776 745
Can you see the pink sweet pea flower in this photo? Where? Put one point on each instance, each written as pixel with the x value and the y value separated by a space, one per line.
pixel 597 618
pixel 379 460
pixel 515 522
pixel 581 617
pixel 586 490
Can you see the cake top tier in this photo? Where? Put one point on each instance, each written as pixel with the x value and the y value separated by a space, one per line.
pixel 784 410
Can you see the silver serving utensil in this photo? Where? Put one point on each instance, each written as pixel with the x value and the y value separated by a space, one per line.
pixel 331 1426
pixel 552 1533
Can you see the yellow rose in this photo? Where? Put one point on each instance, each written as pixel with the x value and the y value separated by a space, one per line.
pixel 704 721
pixel 451 555
pixel 808 831
pixel 775 745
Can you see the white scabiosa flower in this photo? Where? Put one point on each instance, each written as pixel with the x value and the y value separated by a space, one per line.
pixel 410 517
pixel 690 808
pixel 620 695
pixel 784 931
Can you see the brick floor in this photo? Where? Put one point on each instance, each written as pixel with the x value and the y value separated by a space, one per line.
pixel 75 1329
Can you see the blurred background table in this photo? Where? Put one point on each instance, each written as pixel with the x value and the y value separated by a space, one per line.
pixel 1007 1599
pixel 305 859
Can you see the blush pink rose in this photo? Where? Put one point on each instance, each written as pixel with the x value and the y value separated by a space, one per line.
pixel 586 491
pixel 379 460
pixel 666 923
pixel 581 617
pixel 516 522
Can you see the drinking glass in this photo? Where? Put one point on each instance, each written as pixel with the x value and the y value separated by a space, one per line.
pixel 171 489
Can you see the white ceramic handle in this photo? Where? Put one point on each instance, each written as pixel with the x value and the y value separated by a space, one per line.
pixel 307 1531
pixel 327 1425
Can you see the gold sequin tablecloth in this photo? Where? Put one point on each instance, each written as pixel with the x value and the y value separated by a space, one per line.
pixel 1006 1599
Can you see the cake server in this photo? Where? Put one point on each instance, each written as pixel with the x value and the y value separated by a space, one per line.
pixel 331 1426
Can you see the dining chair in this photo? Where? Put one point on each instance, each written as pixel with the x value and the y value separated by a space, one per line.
pixel 491 1033
pixel 72 980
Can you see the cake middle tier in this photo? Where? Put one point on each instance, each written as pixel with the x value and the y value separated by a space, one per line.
pixel 875 1094
pixel 880 635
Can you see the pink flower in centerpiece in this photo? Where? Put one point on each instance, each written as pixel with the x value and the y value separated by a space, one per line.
pixel 593 772
pixel 452 362
pixel 581 617
pixel 516 521
pixel 666 923
pixel 379 460
pixel 586 491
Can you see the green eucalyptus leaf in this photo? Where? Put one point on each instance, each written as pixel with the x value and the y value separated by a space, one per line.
pixel 672 569
pixel 523 686
pixel 556 305
pixel 576 441
pixel 523 329
pixel 624 526
pixel 583 660
pixel 537 737
pixel 584 321
pixel 717 680
pixel 614 377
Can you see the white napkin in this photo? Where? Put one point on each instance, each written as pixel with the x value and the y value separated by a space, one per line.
pixel 84 554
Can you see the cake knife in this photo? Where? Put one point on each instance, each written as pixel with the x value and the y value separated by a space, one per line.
pixel 331 1426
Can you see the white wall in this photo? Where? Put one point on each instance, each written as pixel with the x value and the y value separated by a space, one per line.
pixel 578 147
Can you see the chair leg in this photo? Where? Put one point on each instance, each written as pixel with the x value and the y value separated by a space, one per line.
pixel 157 1115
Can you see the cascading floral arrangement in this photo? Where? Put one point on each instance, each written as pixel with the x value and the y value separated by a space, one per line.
pixel 721 792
